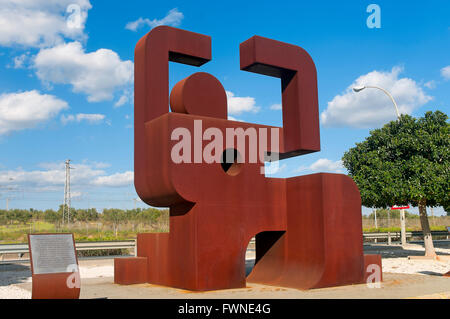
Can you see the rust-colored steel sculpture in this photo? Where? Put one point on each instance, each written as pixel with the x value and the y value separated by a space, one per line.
pixel 308 228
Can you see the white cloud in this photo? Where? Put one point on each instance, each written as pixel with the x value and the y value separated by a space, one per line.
pixel 53 175
pixel 276 107
pixel 430 84
pixel 97 74
pixel 21 61
pixel 126 97
pixel 41 23
pixel 19 111
pixel 370 107
pixel 115 180
pixel 90 118
pixel 238 105
pixel 173 18
pixel 76 194
pixel 323 165
pixel 445 72
pixel 232 118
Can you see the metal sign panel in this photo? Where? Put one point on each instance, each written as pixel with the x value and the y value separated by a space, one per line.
pixel 52 253
pixel 400 207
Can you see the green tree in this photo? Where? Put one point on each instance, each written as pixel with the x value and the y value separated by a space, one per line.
pixel 86 215
pixel 114 216
pixel 404 162
pixel 23 216
pixel 51 216
pixel 447 208
pixel 3 217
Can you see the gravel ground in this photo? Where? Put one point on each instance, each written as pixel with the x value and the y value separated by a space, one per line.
pixel 394 261
pixel 403 265
pixel 13 292
pixel 13 274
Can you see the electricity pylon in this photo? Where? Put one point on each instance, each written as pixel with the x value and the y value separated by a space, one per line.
pixel 66 205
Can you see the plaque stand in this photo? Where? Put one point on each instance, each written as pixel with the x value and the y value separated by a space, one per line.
pixel 54 266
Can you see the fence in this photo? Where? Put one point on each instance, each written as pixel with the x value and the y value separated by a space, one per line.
pixel 411 223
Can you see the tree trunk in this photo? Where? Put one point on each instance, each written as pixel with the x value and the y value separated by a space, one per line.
pixel 427 239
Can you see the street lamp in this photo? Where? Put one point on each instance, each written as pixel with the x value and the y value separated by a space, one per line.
pixel 402 211
pixel 360 88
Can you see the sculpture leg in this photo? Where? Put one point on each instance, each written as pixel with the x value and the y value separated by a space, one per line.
pixel 322 246
pixel 204 250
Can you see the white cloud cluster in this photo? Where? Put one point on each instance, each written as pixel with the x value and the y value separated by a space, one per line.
pixel 53 174
pixel 21 61
pixel 323 165
pixel 276 107
pixel 42 23
pixel 430 84
pixel 97 74
pixel 445 72
pixel 115 180
pixel 25 110
pixel 126 97
pixel 238 105
pixel 173 18
pixel 370 107
pixel 90 118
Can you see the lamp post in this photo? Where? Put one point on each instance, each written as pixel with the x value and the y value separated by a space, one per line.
pixel 402 211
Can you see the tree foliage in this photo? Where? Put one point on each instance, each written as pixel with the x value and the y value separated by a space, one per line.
pixel 404 162
pixel 112 215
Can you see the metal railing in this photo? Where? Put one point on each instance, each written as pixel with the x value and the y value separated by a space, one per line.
pixel 131 244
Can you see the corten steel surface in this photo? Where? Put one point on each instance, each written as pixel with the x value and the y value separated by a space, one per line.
pixel 128 271
pixel 308 228
pixel 52 285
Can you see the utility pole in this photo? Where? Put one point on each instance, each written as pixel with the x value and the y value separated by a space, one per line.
pixel 403 226
pixel 66 205
pixel 376 225
pixel 8 198
pixel 375 213
pixel 389 226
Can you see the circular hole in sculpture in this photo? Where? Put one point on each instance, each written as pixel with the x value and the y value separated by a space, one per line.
pixel 231 161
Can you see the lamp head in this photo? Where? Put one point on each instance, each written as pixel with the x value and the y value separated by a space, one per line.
pixel 359 88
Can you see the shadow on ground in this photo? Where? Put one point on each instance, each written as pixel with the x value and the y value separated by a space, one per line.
pixel 14 274
pixel 397 251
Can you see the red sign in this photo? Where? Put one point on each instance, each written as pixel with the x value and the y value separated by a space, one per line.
pixel 399 207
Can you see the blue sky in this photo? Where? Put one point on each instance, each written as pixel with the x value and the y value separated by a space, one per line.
pixel 70 89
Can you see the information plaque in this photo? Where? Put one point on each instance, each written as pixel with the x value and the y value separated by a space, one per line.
pixel 52 253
